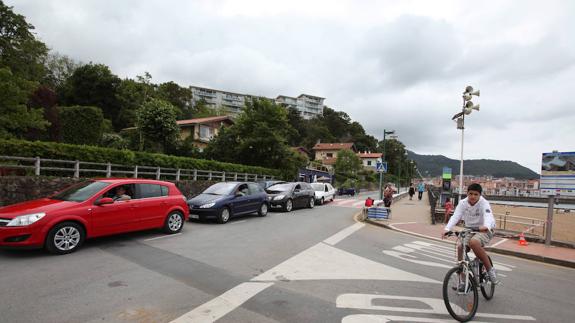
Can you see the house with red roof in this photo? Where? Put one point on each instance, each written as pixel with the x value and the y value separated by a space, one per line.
pixel 203 130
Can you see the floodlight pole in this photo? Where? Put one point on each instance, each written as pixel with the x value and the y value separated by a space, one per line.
pixel 461 158
pixel 381 176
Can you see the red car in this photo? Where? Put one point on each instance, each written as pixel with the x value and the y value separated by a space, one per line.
pixel 90 209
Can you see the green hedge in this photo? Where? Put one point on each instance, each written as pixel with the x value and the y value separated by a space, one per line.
pixel 52 150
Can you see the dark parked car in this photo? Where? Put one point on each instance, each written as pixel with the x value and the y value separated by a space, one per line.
pixel 62 222
pixel 228 199
pixel 266 184
pixel 346 191
pixel 288 196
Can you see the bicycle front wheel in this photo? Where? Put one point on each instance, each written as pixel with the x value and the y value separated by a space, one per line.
pixel 460 302
pixel 487 287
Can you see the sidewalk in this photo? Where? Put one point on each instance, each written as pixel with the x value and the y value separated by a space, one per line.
pixel 413 217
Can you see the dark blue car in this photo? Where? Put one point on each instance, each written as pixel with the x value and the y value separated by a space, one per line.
pixel 228 199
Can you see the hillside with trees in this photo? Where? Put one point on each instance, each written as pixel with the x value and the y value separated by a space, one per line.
pixel 432 165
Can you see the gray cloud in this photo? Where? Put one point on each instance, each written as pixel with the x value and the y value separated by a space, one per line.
pixel 398 65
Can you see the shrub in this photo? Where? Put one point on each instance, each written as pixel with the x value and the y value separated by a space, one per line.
pixel 51 150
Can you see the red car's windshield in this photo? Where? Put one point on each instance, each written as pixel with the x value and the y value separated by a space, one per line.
pixel 80 192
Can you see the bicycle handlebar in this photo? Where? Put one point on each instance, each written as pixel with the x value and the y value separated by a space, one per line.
pixel 464 231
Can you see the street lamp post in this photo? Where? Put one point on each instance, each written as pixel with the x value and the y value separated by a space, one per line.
pixel 383 156
pixel 466 109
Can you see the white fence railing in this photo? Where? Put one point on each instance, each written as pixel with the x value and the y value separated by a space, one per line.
pixel 78 168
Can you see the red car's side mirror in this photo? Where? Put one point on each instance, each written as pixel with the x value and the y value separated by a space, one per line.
pixel 105 200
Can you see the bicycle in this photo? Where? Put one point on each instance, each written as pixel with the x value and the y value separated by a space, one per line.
pixel 460 283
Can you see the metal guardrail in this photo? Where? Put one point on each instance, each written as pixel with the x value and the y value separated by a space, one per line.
pixel 77 168
pixel 520 224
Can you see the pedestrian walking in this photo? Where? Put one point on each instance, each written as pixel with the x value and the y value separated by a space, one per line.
pixel 420 189
pixel 411 191
pixel 448 210
pixel 388 195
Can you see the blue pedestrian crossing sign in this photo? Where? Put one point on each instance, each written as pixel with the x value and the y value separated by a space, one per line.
pixel 381 166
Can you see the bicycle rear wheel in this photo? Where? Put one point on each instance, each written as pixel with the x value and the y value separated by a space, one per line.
pixel 462 305
pixel 487 287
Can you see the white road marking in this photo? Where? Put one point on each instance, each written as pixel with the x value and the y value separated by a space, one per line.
pixel 433 306
pixel 164 236
pixel 394 224
pixel 436 246
pixel 223 304
pixel 236 222
pixel 370 318
pixel 322 262
pixel 498 243
pixel 406 257
pixel 334 239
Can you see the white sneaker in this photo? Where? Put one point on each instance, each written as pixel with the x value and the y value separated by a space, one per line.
pixel 493 276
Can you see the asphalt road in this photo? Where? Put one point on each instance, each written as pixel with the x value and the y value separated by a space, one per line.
pixel 315 265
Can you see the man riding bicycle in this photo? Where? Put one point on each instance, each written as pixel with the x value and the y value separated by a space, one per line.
pixel 475 211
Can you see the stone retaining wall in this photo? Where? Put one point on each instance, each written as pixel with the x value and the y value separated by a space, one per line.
pixel 15 189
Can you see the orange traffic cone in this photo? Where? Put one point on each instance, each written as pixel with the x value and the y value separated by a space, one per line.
pixel 522 241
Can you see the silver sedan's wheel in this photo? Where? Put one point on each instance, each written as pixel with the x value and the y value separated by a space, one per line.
pixel 321 201
pixel 65 238
pixel 174 223
pixel 224 215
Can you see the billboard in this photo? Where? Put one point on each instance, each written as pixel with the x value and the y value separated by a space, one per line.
pixel 446 173
pixel 558 174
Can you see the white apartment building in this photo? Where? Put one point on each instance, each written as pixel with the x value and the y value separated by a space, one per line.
pixel 309 106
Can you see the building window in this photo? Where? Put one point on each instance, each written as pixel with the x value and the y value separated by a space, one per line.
pixel 369 163
pixel 329 155
pixel 205 132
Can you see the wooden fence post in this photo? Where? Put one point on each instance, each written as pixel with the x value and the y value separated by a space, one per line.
pixel 109 170
pixel 77 169
pixel 136 171
pixel 178 175
pixel 37 166
pixel 158 172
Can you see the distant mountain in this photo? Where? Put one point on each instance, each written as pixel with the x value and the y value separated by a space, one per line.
pixel 433 165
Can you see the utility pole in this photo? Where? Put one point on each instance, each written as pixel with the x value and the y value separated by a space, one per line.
pixel 383 156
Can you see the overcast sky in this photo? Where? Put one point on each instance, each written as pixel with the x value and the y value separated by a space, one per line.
pixel 398 65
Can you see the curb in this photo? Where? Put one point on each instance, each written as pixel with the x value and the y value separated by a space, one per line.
pixel 517 254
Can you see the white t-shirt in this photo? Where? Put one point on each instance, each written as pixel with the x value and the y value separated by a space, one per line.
pixel 476 215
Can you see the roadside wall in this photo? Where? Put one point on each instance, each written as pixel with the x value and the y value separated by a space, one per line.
pixel 15 189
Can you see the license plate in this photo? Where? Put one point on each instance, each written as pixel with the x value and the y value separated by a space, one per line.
pixel 194 216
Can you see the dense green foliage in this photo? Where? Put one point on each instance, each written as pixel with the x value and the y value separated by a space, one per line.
pixel 93 85
pixel 20 51
pixel 53 150
pixel 347 165
pixel 156 122
pixel 81 125
pixel 15 118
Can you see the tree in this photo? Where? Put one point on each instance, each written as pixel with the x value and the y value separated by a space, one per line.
pixel 156 123
pixel 258 138
pixel 15 118
pixel 94 85
pixel 131 95
pixel 58 69
pixel 178 96
pixel 347 164
pixel 74 123
pixel 45 98
pixel 20 51
pixel 295 137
